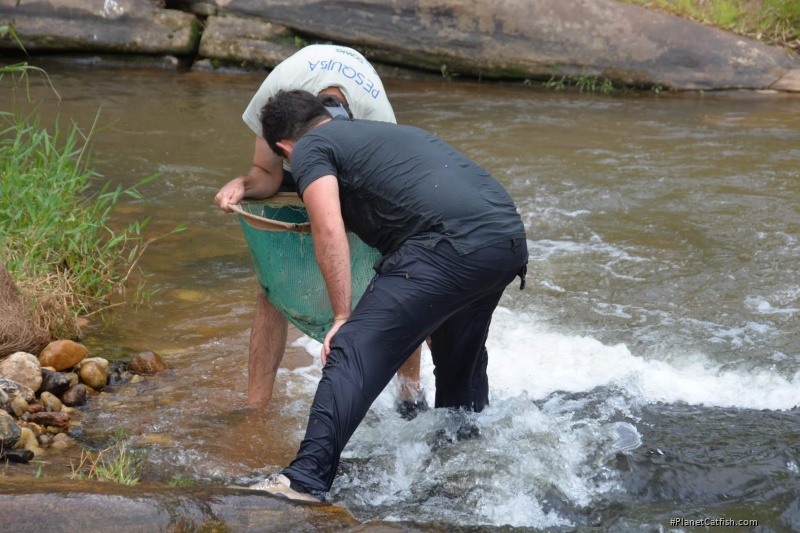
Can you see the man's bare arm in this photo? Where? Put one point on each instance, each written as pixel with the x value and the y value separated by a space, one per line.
pixel 261 181
pixel 321 199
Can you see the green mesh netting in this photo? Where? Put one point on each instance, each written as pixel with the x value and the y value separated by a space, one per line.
pixel 287 269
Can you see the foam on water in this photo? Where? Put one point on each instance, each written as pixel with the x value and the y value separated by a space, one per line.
pixel 528 467
pixel 527 358
pixel 562 407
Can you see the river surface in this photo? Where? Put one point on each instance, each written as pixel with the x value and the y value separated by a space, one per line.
pixel 648 372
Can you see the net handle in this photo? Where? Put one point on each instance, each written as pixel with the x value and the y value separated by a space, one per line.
pixel 262 223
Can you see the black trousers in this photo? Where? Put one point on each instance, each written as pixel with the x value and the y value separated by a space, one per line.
pixel 417 292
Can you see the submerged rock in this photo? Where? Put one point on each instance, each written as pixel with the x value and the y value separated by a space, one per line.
pixel 17 456
pixel 148 363
pixel 56 505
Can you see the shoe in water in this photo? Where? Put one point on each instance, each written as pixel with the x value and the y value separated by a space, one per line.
pixel 409 409
pixel 280 485
pixel 467 432
pixel 460 425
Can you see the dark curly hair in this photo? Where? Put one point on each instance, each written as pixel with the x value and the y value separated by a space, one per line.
pixel 291 114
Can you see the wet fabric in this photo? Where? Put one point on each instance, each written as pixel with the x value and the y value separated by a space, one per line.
pixel 417 292
pixel 402 184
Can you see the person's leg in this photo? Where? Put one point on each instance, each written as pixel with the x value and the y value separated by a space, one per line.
pixel 408 375
pixel 387 325
pixel 460 356
pixel 458 345
pixel 410 398
pixel 364 357
pixel 414 293
pixel 267 345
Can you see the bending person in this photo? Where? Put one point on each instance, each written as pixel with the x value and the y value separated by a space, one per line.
pixel 319 69
pixel 451 240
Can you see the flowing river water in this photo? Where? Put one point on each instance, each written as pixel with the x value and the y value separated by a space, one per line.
pixel 648 372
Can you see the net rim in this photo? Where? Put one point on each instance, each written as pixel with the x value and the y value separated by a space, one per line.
pixel 268 224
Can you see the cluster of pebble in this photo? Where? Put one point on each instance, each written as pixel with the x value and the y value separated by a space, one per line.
pixel 39 396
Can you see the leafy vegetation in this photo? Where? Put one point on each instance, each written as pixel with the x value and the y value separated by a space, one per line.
pixel 118 462
pixel 772 21
pixel 181 481
pixel 584 82
pixel 56 236
pixel 448 75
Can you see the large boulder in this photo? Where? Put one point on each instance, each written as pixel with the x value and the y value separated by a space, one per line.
pixel 48 504
pixel 127 26
pixel 237 39
pixel 535 39
pixel 538 39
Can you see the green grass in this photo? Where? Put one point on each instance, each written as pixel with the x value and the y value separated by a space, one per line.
pixel 772 21
pixel 56 234
pixel 117 462
pixel 780 18
pixel 52 228
pixel 584 82
pixel 181 481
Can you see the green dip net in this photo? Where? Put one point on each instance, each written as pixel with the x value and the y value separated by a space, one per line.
pixel 279 237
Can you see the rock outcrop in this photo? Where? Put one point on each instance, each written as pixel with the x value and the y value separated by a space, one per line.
pixel 538 39
pixel 57 505
pixel 114 26
pixel 513 39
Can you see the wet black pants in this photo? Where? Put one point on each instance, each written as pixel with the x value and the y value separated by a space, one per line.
pixel 418 292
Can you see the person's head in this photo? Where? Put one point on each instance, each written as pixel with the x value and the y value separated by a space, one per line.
pixel 289 115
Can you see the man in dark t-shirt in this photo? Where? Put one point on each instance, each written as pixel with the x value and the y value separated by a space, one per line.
pixel 451 240
pixel 402 185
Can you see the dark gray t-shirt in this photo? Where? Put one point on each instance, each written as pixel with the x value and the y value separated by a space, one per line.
pixel 401 183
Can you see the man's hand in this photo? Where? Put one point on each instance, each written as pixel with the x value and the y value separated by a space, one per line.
pixel 262 180
pixel 326 344
pixel 231 194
